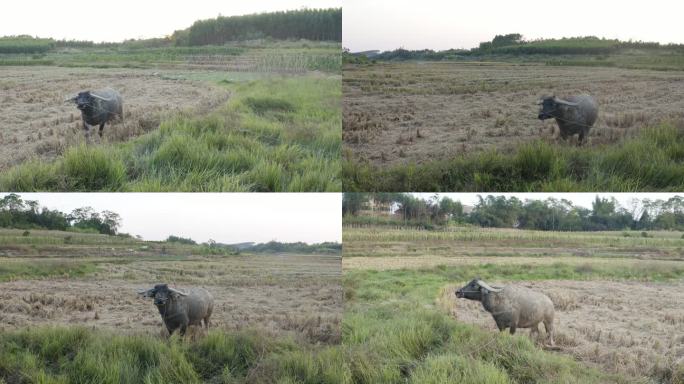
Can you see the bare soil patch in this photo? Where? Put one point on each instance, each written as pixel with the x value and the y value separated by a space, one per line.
pixel 37 123
pixel 419 112
pixel 626 327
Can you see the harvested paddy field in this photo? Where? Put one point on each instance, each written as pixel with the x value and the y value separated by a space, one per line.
pixel 277 294
pixel 37 123
pixel 418 112
pixel 622 327
pixel 617 297
pixel 63 278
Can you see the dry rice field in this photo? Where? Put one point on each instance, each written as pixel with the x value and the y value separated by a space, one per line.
pixel 37 123
pixel 300 295
pixel 396 113
pixel 630 326
pixel 621 327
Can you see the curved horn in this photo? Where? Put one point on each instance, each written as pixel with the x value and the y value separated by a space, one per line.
pixel 71 99
pixel 178 292
pixel 488 287
pixel 100 97
pixel 564 102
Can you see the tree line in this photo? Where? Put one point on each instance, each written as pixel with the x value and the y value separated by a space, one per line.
pixel 310 24
pixel 515 44
pixel 28 214
pixel 551 214
pixel 269 247
pixel 297 247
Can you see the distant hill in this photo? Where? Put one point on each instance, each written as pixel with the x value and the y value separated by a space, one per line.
pixel 241 246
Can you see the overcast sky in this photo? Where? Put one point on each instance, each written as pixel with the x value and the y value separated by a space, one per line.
pixel 224 217
pixel 125 19
pixel 578 199
pixel 443 24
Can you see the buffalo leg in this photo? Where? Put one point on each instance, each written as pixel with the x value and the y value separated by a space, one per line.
pixel 580 140
pixel 183 329
pixel 534 332
pixel 101 127
pixel 86 131
pixel 548 325
pixel 512 329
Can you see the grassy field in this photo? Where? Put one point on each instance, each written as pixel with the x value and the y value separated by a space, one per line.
pixel 69 312
pixel 472 126
pixel 401 314
pixel 279 129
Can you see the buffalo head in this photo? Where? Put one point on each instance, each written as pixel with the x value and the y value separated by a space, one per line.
pixel 475 289
pixel 549 106
pixel 161 293
pixel 85 99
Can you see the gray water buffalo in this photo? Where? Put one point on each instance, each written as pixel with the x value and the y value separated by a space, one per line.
pixel 179 309
pixel 511 306
pixel 98 108
pixel 574 115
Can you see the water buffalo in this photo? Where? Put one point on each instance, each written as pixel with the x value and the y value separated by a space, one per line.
pixel 179 309
pixel 98 108
pixel 574 115
pixel 511 306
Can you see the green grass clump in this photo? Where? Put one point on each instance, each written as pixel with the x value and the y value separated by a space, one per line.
pixel 80 355
pixel 653 161
pixel 91 168
pixel 276 134
pixel 32 270
pixel 262 105
pixel 226 355
pixel 76 355
pixel 454 368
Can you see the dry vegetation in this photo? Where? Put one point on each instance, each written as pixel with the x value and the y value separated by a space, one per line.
pixel 37 122
pixel 420 112
pixel 298 295
pixel 623 327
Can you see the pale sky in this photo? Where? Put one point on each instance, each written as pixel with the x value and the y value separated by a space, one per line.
pixel 578 199
pixel 225 217
pixel 444 24
pixel 125 19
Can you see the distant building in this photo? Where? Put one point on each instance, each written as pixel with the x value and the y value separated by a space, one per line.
pixel 375 208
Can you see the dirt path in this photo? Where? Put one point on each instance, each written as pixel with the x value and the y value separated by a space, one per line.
pixel 382 263
pixel 627 327
pixel 36 122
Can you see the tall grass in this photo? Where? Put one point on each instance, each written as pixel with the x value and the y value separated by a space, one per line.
pixel 275 134
pixel 513 237
pixel 31 270
pixel 653 161
pixel 80 355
